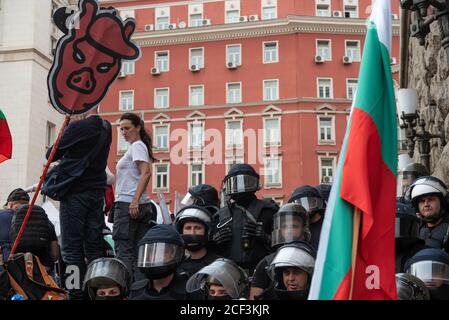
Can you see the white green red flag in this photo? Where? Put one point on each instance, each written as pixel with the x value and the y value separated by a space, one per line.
pixel 360 264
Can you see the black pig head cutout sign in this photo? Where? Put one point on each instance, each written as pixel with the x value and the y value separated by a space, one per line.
pixel 89 57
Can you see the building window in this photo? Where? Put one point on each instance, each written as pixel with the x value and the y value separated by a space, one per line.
pixel 326 130
pixel 271 90
pixel 233 93
pixel 128 67
pixel 325 89
pixel 353 50
pixel 126 100
pixel 233 54
pixel 162 18
pixel 195 20
pixel 272 172
pixel 323 49
pixel 234 134
pixel 327 170
pixel 49 134
pixel 197 57
pixel 161 176
pixel 196 95
pixel 272 132
pixel 351 9
pixel 161 135
pixel 196 174
pixel 196 135
pixel 269 9
pixel 323 9
pixel 351 87
pixel 162 61
pixel 270 52
pixel 232 16
pixel 161 98
pixel 122 144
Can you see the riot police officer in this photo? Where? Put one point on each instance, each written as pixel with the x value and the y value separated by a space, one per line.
pixel 221 280
pixel 107 279
pixel 311 199
pixel 291 223
pixel 161 251
pixel 408 175
pixel 429 197
pixel 194 223
pixel 202 195
pixel 431 266
pixel 407 241
pixel 411 288
pixel 243 226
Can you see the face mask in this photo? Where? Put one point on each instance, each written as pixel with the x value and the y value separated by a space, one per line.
pixel 194 242
pixel 106 298
pixel 243 199
pixel 155 273
pixel 219 298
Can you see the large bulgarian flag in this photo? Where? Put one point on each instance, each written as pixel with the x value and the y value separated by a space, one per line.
pixel 356 252
pixel 5 139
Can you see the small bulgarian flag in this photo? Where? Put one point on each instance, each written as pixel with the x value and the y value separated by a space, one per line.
pixel 5 139
pixel 356 255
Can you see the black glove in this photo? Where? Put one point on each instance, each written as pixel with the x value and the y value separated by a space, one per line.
pixel 222 235
pixel 255 231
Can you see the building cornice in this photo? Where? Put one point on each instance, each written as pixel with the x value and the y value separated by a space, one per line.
pixel 25 54
pixel 288 25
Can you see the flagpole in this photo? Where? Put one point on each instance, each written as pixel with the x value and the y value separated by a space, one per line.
pixel 38 188
pixel 355 243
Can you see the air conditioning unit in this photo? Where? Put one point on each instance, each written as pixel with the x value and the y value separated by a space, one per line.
pixel 205 22
pixel 155 71
pixel 326 179
pixel 172 26
pixel 194 68
pixel 243 19
pixel 337 14
pixel 182 25
pixel 393 60
pixel 319 59
pixel 122 74
pixel 231 65
pixel 149 27
pixel 347 60
pixel 253 17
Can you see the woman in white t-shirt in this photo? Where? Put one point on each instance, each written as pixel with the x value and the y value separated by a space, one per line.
pixel 133 216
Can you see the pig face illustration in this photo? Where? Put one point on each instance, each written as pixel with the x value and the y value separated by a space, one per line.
pixel 89 58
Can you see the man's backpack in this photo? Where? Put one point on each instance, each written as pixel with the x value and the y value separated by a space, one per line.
pixel 36 236
pixel 28 277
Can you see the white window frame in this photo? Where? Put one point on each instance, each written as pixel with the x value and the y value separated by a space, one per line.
pixel 239 144
pixel 277 184
pixel 353 3
pixel 228 55
pixel 120 99
pixel 276 60
pixel 191 62
pixel 190 95
pixel 128 67
pixel 320 167
pixel 331 91
pixel 155 127
pixel 190 174
pixel 329 43
pixel 227 92
pixel 348 86
pixel 326 141
pixel 358 48
pixel 267 143
pixel 156 60
pixel 268 5
pixel 319 3
pixel 190 130
pixel 265 98
pixel 122 144
pixel 155 188
pixel 195 9
pixel 158 15
pixel 168 98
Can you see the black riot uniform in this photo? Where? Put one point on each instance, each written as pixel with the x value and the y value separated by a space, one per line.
pixel 436 236
pixel 161 251
pixel 243 226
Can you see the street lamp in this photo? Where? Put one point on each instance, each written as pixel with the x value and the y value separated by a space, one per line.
pixel 408 103
pixel 420 25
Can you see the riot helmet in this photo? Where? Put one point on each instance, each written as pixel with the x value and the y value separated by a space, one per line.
pixel 299 258
pixel 105 273
pixel 431 266
pixel 241 178
pixel 427 186
pixel 410 287
pixel 309 198
pixel 223 272
pixel 161 251
pixel 408 175
pixel 201 195
pixel 290 223
pixel 324 189
pixel 194 242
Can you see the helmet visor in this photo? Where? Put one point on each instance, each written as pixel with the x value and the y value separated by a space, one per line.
pixel 159 254
pixel 291 256
pixel 310 203
pixel 106 272
pixel 432 273
pixel 287 228
pixel 241 183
